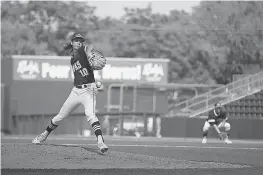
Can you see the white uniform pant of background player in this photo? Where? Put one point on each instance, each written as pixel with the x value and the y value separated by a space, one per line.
pixel 207 126
pixel 86 97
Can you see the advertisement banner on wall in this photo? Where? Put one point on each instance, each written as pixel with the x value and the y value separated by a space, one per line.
pixel 55 68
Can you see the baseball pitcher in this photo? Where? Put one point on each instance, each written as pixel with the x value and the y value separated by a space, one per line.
pixel 84 60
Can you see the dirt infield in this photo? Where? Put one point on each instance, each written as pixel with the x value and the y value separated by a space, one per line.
pixel 21 157
pixel 53 156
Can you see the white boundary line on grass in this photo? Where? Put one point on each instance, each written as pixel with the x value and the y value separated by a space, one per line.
pixel 170 146
pixel 152 146
pixel 146 139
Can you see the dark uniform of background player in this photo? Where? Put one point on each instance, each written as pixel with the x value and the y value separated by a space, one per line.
pixel 214 117
pixel 84 90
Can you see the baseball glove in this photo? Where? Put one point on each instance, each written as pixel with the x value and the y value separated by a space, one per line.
pixel 96 59
pixel 222 136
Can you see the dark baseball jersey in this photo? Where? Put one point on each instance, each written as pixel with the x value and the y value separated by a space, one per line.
pixel 83 73
pixel 214 118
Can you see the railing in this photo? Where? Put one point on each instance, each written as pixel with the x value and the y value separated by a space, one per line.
pixel 225 94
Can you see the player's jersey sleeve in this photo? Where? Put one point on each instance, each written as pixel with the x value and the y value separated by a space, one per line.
pixel 88 49
pixel 91 48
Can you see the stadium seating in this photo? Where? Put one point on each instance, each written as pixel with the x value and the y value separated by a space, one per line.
pixel 242 98
pixel 248 107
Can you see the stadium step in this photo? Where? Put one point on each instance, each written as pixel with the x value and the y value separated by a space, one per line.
pixel 229 93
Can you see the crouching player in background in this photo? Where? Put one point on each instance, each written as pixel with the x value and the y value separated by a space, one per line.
pixel 214 117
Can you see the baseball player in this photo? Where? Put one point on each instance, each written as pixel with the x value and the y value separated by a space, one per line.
pixel 214 116
pixel 84 59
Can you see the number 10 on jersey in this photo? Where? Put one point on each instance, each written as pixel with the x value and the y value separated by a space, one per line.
pixel 84 72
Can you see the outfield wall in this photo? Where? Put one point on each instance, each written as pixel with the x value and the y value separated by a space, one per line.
pixel 33 89
pixel 170 127
pixel 39 85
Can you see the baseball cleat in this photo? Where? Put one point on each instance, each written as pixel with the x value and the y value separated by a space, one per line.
pixel 103 147
pixel 204 141
pixel 227 141
pixel 40 138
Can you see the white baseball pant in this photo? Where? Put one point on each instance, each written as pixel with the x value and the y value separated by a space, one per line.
pixel 85 97
pixel 207 126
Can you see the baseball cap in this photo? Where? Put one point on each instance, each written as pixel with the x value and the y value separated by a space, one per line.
pixel 77 35
pixel 218 105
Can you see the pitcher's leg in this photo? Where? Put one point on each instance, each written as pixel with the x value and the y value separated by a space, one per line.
pixel 89 102
pixel 70 105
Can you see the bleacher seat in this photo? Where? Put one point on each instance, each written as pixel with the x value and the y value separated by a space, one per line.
pixel 231 115
pixel 253 109
pixel 248 107
pixel 259 109
pixel 258 102
pixel 242 115
pixel 243 109
pixel 237 109
pixel 237 115
pixel 234 108
pixel 253 102
pixel 258 115
pixel 242 102
pixel 236 103
pixel 253 114
pixel 229 108
pixel 247 102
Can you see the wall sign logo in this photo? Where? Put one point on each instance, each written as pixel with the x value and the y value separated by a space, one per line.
pixel 153 72
pixel 111 72
pixel 28 69
pixel 54 71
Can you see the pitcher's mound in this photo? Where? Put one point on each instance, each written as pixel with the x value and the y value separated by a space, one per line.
pixel 50 156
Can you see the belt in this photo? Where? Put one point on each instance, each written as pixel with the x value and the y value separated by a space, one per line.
pixel 82 86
